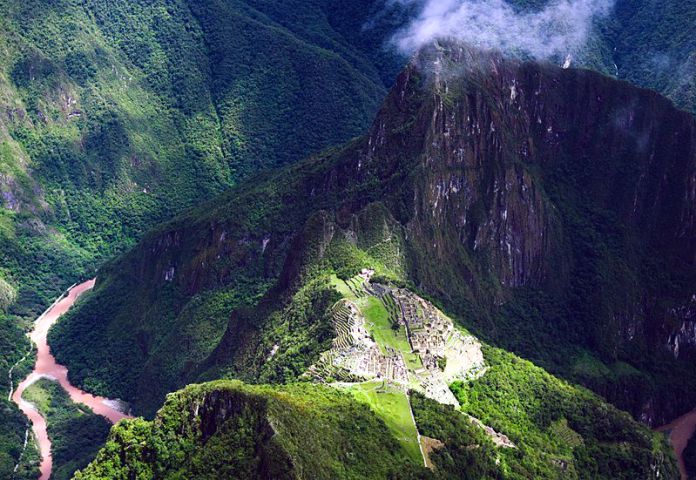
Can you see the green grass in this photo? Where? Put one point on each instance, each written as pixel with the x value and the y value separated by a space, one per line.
pixel 380 327
pixel 281 432
pixel 391 404
pixel 378 321
pixel 342 287
pixel 413 361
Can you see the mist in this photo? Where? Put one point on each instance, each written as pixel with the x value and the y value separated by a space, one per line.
pixel 559 29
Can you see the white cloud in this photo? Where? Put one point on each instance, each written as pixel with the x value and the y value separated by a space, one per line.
pixel 560 28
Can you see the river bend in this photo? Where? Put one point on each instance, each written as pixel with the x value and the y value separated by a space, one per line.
pixel 47 367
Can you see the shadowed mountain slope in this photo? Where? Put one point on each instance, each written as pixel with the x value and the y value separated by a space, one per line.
pixel 562 233
pixel 116 115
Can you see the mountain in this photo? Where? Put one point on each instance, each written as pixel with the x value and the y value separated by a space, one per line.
pixel 233 430
pixel 563 234
pixel 558 232
pixel 116 115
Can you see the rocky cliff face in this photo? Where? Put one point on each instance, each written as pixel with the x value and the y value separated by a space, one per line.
pixel 508 171
pixel 553 210
pixel 594 205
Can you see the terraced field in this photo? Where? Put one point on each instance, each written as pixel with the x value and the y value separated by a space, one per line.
pixel 392 405
pixel 389 341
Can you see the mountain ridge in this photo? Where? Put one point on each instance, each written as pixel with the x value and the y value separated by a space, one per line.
pixel 115 116
pixel 388 179
pixel 485 189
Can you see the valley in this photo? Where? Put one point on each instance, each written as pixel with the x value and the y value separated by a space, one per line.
pixel 366 239
pixel 47 368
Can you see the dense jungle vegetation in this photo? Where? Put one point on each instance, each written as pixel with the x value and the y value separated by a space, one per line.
pixel 118 115
pixel 76 433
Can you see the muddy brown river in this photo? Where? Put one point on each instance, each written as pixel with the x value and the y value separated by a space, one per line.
pixel 680 431
pixel 46 367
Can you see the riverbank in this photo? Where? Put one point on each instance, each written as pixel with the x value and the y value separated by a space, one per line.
pixel 680 431
pixel 47 367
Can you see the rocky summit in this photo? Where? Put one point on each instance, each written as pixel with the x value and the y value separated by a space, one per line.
pixel 562 234
pixel 495 279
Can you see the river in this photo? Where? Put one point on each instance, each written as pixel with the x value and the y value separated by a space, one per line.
pixel 46 367
pixel 680 431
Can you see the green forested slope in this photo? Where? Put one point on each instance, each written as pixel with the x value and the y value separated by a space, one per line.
pixel 75 432
pixel 228 429
pixel 580 263
pixel 116 115
pixel 231 430
pixel 559 426
pixel 655 47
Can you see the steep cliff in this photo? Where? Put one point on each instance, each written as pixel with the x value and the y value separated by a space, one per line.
pixel 552 211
